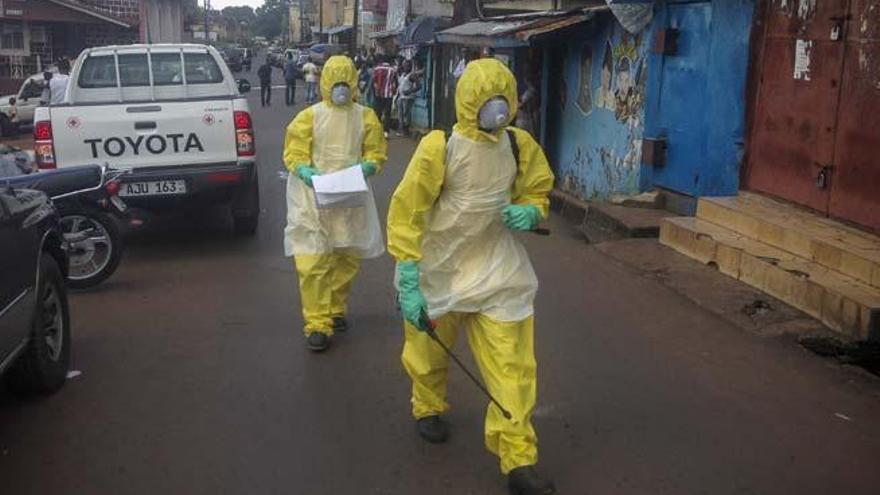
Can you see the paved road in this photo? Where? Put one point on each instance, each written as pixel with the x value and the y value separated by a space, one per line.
pixel 195 381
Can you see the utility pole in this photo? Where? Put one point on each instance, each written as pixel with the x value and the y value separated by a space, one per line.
pixel 302 22
pixel 320 21
pixel 354 38
pixel 207 22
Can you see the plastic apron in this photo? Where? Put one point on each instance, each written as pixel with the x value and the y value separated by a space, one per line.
pixel 471 262
pixel 338 134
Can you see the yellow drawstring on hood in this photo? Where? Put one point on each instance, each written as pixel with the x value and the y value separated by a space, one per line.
pixel 481 81
pixel 338 69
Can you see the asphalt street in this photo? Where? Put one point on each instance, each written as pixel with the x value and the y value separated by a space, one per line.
pixel 195 380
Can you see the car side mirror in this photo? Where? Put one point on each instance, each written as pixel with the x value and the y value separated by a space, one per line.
pixel 244 86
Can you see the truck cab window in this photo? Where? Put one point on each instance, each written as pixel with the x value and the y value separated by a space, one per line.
pixel 32 89
pixel 98 72
pixel 167 69
pixel 133 70
pixel 202 69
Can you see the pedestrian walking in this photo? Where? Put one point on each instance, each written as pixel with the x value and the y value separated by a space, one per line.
pixel 450 227
pixel 291 74
pixel 407 87
pixel 384 86
pixel 328 246
pixel 310 74
pixel 365 75
pixel 265 75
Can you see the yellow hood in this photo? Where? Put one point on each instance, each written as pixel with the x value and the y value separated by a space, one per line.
pixel 338 69
pixel 481 81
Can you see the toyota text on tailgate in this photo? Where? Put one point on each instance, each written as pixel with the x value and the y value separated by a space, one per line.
pixel 173 113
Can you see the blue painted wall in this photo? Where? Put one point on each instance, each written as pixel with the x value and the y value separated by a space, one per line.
pixel 695 99
pixel 595 109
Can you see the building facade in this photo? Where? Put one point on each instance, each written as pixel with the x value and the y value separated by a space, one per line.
pixel 36 33
pixel 651 100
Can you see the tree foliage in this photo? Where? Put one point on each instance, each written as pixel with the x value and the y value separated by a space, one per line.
pixel 271 18
pixel 240 14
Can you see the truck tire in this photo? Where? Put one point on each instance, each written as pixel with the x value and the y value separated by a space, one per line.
pixel 42 367
pixel 246 210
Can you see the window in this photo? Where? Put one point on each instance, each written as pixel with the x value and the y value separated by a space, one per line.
pixel 98 72
pixel 32 89
pixel 201 69
pixel 167 69
pixel 133 70
pixel 12 36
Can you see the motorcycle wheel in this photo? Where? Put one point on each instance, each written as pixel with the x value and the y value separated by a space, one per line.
pixel 94 259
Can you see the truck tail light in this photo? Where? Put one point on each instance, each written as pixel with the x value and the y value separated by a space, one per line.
pixel 244 134
pixel 44 148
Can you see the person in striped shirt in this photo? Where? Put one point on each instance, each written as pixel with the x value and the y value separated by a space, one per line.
pixel 384 88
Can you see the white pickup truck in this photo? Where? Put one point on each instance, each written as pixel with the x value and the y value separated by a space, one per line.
pixel 172 112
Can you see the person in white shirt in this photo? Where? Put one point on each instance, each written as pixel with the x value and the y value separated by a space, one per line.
pixel 310 74
pixel 56 84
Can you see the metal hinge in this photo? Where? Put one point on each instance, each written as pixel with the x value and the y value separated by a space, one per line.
pixel 823 176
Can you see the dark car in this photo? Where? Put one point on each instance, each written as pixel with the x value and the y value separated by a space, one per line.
pixel 34 315
pixel 233 59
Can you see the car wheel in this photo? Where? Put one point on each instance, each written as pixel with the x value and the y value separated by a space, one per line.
pixel 42 368
pixel 97 255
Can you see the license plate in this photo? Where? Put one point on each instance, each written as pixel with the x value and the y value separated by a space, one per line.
pixel 153 188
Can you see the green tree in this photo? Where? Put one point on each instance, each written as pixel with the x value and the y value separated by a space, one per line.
pixel 271 18
pixel 240 21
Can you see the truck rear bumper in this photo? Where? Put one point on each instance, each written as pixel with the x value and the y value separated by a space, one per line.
pixel 205 183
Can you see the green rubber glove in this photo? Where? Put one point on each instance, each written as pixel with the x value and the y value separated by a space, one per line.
pixel 521 217
pixel 369 169
pixel 305 173
pixel 412 302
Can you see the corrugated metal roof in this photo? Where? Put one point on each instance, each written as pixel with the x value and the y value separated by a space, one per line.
pixel 551 25
pixel 385 34
pixel 338 29
pixel 515 30
pixel 484 28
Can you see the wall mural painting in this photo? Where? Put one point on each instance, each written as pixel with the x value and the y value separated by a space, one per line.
pixel 605 98
pixel 585 82
pixel 609 162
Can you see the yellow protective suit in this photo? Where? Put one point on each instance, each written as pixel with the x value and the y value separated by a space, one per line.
pixel 446 215
pixel 328 244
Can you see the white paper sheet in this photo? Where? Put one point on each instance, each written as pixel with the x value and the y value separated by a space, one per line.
pixel 344 189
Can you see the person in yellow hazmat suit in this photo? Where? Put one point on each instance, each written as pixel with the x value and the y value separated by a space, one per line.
pixel 328 244
pixel 451 228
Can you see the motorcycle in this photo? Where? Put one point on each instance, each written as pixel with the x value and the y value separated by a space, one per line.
pixel 92 213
